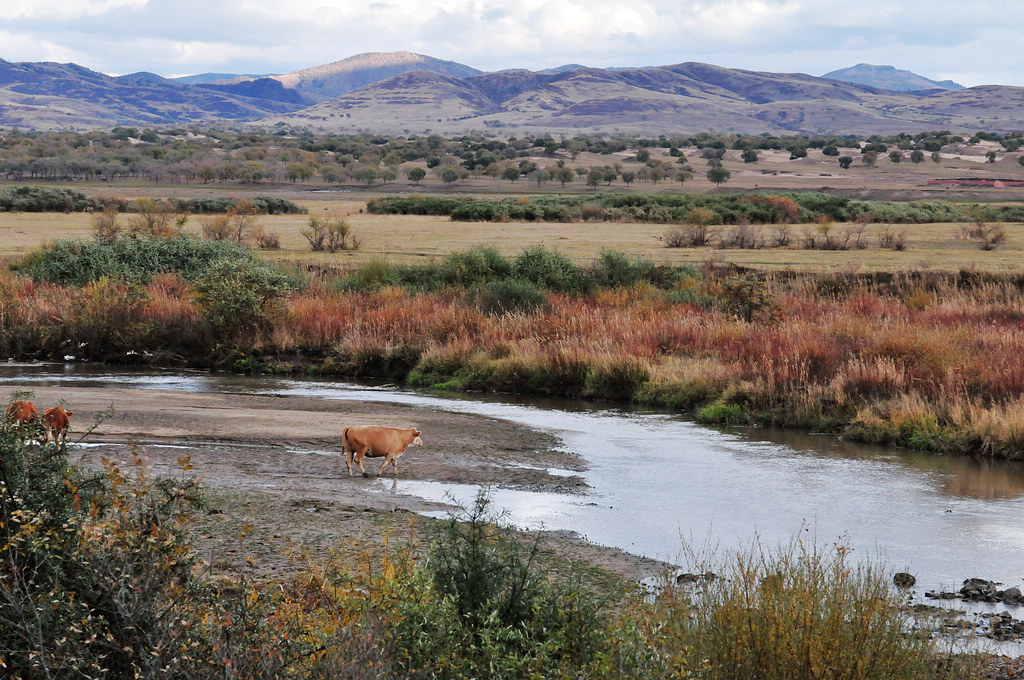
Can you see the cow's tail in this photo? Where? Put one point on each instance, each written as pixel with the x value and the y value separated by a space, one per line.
pixel 346 445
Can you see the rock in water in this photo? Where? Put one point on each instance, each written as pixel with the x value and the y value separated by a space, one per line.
pixel 904 580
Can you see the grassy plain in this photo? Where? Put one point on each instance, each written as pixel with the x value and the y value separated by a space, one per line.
pixel 408 239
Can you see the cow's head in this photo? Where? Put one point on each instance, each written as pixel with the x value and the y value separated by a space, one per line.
pixel 416 441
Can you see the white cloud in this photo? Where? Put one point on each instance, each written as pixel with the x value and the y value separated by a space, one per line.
pixel 931 37
pixel 62 9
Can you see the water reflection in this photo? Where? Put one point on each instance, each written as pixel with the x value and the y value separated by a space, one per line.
pixel 980 478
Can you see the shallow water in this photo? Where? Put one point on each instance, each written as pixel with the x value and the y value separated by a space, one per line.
pixel 660 481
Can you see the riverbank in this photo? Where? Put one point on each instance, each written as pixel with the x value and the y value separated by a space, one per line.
pixel 916 359
pixel 271 472
pixel 273 464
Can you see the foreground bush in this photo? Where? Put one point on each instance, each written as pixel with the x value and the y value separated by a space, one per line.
pixel 481 605
pixel 801 611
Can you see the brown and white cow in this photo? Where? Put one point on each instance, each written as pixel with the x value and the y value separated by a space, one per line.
pixel 57 421
pixel 21 412
pixel 377 441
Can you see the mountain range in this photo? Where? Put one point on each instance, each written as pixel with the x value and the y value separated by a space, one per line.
pixel 402 92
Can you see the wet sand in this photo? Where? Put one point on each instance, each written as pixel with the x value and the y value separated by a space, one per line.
pixel 272 465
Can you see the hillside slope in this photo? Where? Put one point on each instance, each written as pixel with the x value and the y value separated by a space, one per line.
pixel 47 95
pixel 681 98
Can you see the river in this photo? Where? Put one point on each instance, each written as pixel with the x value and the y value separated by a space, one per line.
pixel 660 482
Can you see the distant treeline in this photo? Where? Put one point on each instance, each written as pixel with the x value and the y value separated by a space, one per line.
pixel 59 199
pixel 177 155
pixel 670 209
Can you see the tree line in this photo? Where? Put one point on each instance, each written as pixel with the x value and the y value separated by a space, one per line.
pixel 288 155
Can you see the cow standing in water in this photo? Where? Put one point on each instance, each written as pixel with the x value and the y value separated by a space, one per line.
pixel 57 421
pixel 376 441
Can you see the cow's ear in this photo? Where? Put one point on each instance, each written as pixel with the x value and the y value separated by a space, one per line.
pixel 70 413
pixel 416 433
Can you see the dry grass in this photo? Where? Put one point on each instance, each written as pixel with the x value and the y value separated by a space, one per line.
pixel 412 238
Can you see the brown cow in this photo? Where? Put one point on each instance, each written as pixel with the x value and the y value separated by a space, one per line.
pixel 375 441
pixel 22 412
pixel 57 421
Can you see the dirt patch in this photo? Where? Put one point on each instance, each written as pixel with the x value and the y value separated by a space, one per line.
pixel 272 471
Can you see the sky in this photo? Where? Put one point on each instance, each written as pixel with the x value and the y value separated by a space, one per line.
pixel 972 43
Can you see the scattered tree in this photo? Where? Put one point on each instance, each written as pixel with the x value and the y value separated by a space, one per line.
pixel 718 175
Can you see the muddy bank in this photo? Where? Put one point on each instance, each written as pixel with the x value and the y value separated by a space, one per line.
pixel 271 464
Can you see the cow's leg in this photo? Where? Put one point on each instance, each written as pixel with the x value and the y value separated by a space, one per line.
pixel 384 465
pixel 394 464
pixel 359 459
pixel 348 460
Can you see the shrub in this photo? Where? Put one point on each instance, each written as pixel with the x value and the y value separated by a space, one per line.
pixel 131 259
pixel 44 199
pixel 613 269
pixel 677 237
pixel 94 575
pixel 483 607
pixel 262 205
pixel 802 611
pixel 370 276
pixel 265 239
pixel 508 296
pixel 104 225
pixel 154 219
pixel 551 270
pixel 475 266
pixel 749 299
pixel 241 296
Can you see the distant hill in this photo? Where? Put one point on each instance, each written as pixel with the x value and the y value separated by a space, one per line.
pixel 267 89
pixel 340 77
pixel 217 78
pixel 425 94
pixel 51 95
pixel 890 78
pixel 689 97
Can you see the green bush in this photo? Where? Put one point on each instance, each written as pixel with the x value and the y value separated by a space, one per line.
pixel 471 267
pixel 551 270
pixel 239 296
pixel 127 259
pixel 483 607
pixel 413 205
pixel 508 296
pixel 44 199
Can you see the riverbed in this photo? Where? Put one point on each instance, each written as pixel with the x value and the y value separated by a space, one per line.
pixel 652 484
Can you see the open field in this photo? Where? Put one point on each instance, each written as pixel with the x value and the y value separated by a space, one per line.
pixel 404 239
pixel 413 238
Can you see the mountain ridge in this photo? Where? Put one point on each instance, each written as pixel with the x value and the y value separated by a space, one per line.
pixel 406 92
pixel 890 78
